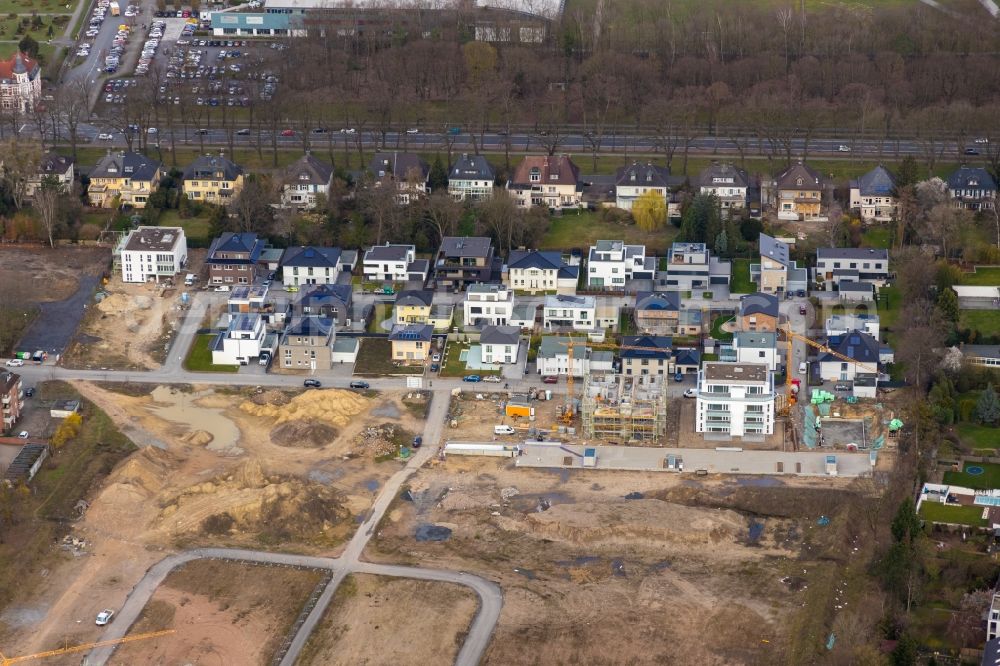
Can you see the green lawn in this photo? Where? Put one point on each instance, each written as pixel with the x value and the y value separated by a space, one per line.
pixel 717 331
pixel 195 228
pixel 888 309
pixel 960 515
pixel 988 480
pixel 741 283
pixel 879 237
pixel 585 229
pixel 199 357
pixel 987 322
pixel 979 436
pixel 375 359
pixel 452 364
pixel 983 276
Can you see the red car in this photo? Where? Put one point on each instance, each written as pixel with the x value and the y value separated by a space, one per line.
pixel 550 379
pixel 288 132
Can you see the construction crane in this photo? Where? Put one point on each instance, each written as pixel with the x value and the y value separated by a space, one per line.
pixel 6 661
pixel 789 337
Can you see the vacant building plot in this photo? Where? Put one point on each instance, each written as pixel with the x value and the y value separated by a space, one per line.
pixel 222 612
pixel 637 568
pixel 377 620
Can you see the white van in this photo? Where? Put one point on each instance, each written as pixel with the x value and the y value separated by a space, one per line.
pixel 803 368
pixel 189 280
pixel 503 430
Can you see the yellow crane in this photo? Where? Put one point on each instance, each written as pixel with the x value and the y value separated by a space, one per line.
pixel 789 337
pixel 7 661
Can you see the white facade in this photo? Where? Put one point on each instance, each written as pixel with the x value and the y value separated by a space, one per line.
pixel 296 194
pixel 993 624
pixel 500 353
pixel 558 365
pixel 611 263
pixel 151 253
pixel 294 276
pixel 461 189
pixel 488 304
pixel 388 263
pixel 241 342
pixel 576 312
pixel 876 208
pixel 735 400
pixel 843 324
pixel 625 195
pixel 757 353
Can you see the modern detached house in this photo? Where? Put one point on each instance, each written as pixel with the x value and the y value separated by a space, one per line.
pixel 149 253
pixel 471 178
pixel 728 183
pixel 777 272
pixel 835 265
pixel 691 267
pixel 393 263
pixel 406 172
pixel 464 260
pixel 972 188
pixel 611 264
pixel 233 258
pixel 552 181
pixel 873 195
pixel 304 180
pixel 500 343
pixel 310 265
pixel 633 181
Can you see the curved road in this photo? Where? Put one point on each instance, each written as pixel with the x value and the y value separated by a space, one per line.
pixel 490 596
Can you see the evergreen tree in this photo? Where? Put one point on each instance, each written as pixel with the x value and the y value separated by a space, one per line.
pixel 438 178
pixel 988 406
pixel 906 524
pixel 907 173
pixel 28 46
pixel 942 398
pixel 947 305
pixel 702 220
pixel 722 243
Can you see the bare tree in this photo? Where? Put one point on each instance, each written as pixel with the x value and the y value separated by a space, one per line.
pixel 20 162
pixel 46 202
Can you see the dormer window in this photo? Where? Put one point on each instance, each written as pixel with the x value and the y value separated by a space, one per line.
pixel 973 182
pixel 632 176
pixel 649 177
pixel 536 174
pixel 798 182
pixel 303 176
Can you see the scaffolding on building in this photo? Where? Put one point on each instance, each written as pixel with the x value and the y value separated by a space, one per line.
pixel 624 408
pixel 116 239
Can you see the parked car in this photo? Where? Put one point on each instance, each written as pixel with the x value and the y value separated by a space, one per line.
pixel 222 287
pixel 23 435
pixel 418 441
pixel 843 149
pixel 842 387
pixel 312 383
pixel 104 617
pixel 971 151
pixel 495 379
pixel 288 132
pixel 29 392
pixel 15 363
pixel 436 357
pixel 472 378
pixel 435 367
pixel 359 385
pixel 550 379
pixel 691 393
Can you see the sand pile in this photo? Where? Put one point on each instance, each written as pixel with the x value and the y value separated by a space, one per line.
pixel 147 469
pixel 197 438
pixel 304 434
pixel 332 406
pixel 653 522
pixel 124 502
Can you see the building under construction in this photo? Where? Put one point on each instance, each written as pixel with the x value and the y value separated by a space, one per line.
pixel 624 408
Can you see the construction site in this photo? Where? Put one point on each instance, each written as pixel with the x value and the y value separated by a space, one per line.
pixel 624 409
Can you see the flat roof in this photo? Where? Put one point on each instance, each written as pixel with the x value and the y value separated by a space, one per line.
pixel 153 239
pixel 736 372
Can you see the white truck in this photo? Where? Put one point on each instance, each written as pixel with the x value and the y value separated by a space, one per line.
pixel 115 9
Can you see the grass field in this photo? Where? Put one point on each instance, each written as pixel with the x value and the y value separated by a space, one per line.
pixel 988 480
pixel 984 276
pixel 199 357
pixel 987 322
pixel 375 359
pixel 717 331
pixel 979 436
pixel 585 229
pixel 195 228
pixel 453 366
pixel 879 237
pixel 741 283
pixel 960 515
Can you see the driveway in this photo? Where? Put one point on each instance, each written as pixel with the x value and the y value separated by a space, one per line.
pixel 58 321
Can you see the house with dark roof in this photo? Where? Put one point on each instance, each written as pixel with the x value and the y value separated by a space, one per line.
pixel 394 263
pixel 213 179
pixel 866 351
pixel 307 344
pixel 647 355
pixel 465 260
pixel 758 312
pixel 873 195
pixel 332 301
pixel 727 182
pixel 972 188
pixel 54 166
pixel 632 181
pixel 234 258
pixel 301 265
pixel 413 306
pixel 691 267
pixel 410 343
pixel 985 355
pixel 123 178
pixel 687 361
pixel 799 193
pixel 304 179
pixel 856 264
pixel 852 291
pixel 500 343
pixel 552 181
pixel 471 178
pixel 658 313
pixel 407 172
pixel 534 272
pixel 755 347
pixel 149 253
pixel 20 82
pixel 777 272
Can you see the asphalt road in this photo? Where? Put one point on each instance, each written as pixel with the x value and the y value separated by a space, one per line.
pixel 57 321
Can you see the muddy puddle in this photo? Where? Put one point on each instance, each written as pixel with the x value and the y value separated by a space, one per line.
pixel 181 408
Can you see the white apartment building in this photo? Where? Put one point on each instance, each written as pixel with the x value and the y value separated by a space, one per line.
pixel 151 253
pixel 611 263
pixel 388 263
pixel 576 312
pixel 240 342
pixel 757 347
pixel 488 305
pixel 735 400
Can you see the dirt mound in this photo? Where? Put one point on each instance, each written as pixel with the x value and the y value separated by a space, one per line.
pixel 271 397
pixel 198 438
pixel 650 521
pixel 381 440
pixel 333 406
pixel 303 433
pixel 147 469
